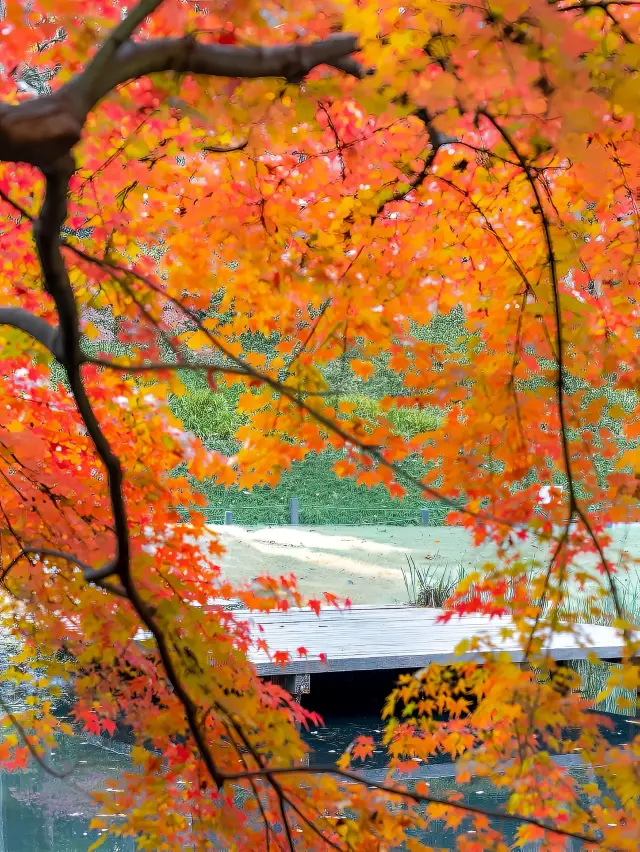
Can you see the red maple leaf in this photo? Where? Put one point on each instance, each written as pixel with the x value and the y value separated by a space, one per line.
pixel 281 658
pixel 92 724
pixel 19 759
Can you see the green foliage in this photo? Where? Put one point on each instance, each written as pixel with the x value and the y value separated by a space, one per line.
pixel 206 414
pixel 433 584
pixel 406 421
pixel 413 421
pixel 324 498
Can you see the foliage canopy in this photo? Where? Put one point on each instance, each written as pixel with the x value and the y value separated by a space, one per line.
pixel 177 177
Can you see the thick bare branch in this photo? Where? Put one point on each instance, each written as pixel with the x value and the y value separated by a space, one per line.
pixel 188 56
pixel 46 230
pixel 47 233
pixel 38 328
pixel 56 281
pixel 42 130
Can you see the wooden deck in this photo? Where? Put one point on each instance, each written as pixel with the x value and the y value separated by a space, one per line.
pixel 397 637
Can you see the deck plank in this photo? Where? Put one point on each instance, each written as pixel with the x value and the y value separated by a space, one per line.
pixel 397 637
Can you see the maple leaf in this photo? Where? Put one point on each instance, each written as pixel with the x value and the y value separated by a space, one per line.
pixel 364 369
pixel 92 724
pixel 18 760
pixel 362 747
pixel 109 726
pixel 457 240
pixel 281 658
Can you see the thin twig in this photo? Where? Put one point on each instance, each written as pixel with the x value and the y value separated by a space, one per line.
pixel 418 798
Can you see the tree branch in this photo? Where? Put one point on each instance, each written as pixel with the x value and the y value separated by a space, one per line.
pixel 187 56
pixel 159 366
pixel 41 130
pixel 436 141
pixel 89 573
pixel 38 328
pixel 47 234
pixel 601 4
pixel 418 798
pixel 28 741
pixel 117 37
pixel 46 231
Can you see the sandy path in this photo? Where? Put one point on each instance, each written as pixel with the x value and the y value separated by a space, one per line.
pixel 363 563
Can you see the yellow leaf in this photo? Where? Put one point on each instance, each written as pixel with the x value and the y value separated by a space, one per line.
pixel 462 647
pixel 195 339
pixel 137 149
pixel 91 331
pixel 344 761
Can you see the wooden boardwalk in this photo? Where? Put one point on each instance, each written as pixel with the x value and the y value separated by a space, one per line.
pixel 397 637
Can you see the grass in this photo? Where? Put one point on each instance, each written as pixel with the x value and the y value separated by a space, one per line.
pixel 579 610
pixel 433 585
pixel 324 497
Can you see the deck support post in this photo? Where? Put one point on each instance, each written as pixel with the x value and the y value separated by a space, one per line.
pixel 295 684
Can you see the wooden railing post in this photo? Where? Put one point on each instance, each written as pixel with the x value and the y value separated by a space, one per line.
pixel 294 510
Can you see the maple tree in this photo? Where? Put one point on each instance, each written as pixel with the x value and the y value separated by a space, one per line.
pixel 338 174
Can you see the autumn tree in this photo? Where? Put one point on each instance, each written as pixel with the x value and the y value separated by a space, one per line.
pixel 175 175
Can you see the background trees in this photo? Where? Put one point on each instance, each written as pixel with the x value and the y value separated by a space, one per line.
pixel 192 176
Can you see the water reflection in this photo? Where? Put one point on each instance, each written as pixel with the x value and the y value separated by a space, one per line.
pixel 39 813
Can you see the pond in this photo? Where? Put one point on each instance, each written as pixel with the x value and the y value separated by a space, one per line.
pixel 39 813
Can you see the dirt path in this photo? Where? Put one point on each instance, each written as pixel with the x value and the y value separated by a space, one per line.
pixel 363 563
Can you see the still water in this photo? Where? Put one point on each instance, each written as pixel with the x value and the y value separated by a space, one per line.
pixel 39 813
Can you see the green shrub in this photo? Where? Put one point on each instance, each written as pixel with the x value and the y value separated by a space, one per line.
pixel 407 421
pixel 413 421
pixel 206 414
pixel 432 585
pixel 324 497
